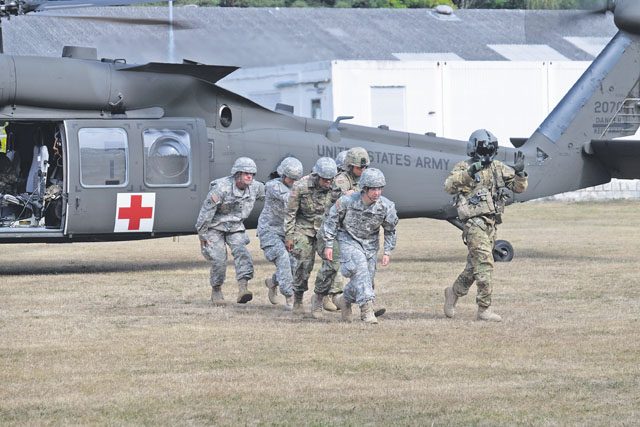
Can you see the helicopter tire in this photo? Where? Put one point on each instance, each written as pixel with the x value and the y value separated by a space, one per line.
pixel 502 251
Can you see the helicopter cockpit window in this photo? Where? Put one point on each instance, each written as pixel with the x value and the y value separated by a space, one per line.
pixel 104 154
pixel 167 155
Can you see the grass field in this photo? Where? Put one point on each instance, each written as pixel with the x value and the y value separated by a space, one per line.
pixel 123 333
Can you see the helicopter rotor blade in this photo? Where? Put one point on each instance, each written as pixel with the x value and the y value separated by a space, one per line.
pixel 176 25
pixel 73 4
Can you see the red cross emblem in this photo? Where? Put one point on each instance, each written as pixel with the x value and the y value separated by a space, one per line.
pixel 135 212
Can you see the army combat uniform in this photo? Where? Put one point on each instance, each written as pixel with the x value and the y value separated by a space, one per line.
pixel 480 203
pixel 327 280
pixel 356 227
pixel 308 203
pixel 220 222
pixel 271 233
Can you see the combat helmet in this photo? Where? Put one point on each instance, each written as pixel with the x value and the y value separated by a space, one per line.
pixel 372 178
pixel 340 159
pixel 244 164
pixel 482 145
pixel 357 156
pixel 325 168
pixel 291 168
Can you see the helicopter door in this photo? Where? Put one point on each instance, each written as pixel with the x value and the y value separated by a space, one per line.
pixel 133 176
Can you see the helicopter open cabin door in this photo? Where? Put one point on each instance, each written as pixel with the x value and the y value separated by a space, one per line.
pixel 135 177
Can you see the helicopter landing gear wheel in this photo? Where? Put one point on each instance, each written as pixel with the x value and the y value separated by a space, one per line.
pixel 502 251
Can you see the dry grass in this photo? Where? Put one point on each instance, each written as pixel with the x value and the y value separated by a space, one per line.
pixel 122 333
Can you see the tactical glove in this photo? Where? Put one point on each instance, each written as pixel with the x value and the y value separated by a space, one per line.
pixel 474 168
pixel 519 164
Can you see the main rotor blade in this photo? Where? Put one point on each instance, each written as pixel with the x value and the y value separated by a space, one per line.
pixel 177 25
pixel 68 4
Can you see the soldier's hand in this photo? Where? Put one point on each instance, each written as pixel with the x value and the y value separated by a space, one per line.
pixel 289 245
pixel 203 243
pixel 386 259
pixel 328 254
pixel 519 164
pixel 474 168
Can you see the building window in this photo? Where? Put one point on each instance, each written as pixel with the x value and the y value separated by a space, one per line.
pixel 316 109
pixel 104 154
pixel 167 157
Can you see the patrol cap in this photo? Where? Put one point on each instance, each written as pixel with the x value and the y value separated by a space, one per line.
pixel 244 164
pixel 357 156
pixel 340 159
pixel 291 168
pixel 372 178
pixel 325 168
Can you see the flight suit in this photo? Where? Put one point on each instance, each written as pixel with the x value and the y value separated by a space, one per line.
pixel 271 233
pixel 306 208
pixel 220 223
pixel 356 227
pixel 480 205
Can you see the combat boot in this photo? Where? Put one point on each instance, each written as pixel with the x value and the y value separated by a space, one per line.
pixel 328 304
pixel 244 294
pixel 316 306
pixel 273 290
pixel 298 308
pixel 344 307
pixel 486 314
pixel 288 303
pixel 366 313
pixel 450 300
pixel 216 295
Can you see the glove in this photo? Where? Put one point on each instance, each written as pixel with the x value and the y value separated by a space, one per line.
pixel 474 168
pixel 519 164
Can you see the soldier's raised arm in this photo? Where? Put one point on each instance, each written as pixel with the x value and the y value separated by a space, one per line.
pixel 515 178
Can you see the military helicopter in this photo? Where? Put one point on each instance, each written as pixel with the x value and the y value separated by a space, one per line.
pixel 126 152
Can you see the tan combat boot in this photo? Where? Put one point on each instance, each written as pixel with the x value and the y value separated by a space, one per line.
pixel 344 307
pixel 486 314
pixel 366 313
pixel 316 306
pixel 450 300
pixel 273 290
pixel 298 308
pixel 328 304
pixel 288 303
pixel 244 294
pixel 216 295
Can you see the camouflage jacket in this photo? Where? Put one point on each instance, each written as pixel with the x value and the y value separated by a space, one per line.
pixel 351 221
pixel 492 181
pixel 343 182
pixel 8 176
pixel 307 205
pixel 226 206
pixel 275 206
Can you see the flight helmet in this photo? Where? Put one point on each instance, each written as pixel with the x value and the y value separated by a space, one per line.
pixel 244 164
pixel 357 156
pixel 325 168
pixel 482 145
pixel 372 178
pixel 291 168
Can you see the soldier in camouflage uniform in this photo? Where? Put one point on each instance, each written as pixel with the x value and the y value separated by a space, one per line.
pixel 479 185
pixel 309 200
pixel 355 221
pixel 228 204
pixel 8 175
pixel 356 160
pixel 271 229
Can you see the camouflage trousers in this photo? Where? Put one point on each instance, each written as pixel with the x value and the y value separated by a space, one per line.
pixel 274 250
pixel 361 269
pixel 328 280
pixel 216 252
pixel 302 259
pixel 480 238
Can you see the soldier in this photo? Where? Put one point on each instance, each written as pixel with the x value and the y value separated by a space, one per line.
pixel 271 229
pixel 228 204
pixel 355 221
pixel 356 160
pixel 479 185
pixel 309 200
